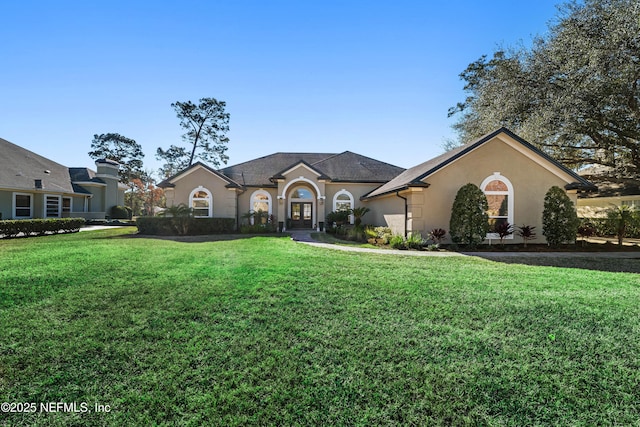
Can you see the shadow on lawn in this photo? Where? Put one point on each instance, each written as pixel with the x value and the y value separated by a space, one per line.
pixel 615 265
pixel 201 239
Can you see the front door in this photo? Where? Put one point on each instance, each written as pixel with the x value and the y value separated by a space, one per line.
pixel 301 215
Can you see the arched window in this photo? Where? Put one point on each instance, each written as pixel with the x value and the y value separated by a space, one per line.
pixel 201 201
pixel 301 193
pixel 343 200
pixel 260 202
pixel 499 192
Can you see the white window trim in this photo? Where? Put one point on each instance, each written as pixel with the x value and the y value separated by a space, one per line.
pixel 351 201
pixel 509 193
pixel 44 211
pixel 30 205
pixel 191 199
pixel 260 193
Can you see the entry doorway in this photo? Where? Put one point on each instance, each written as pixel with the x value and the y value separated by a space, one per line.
pixel 301 214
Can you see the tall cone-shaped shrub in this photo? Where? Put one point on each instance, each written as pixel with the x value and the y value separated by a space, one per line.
pixel 469 222
pixel 559 218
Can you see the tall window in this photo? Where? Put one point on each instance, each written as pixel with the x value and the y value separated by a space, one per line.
pixel 22 205
pixel 52 206
pixel 343 200
pixel 499 192
pixel 201 202
pixel 66 206
pixel 261 201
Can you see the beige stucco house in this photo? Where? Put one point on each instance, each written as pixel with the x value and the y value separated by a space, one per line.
pixel 32 186
pixel 300 189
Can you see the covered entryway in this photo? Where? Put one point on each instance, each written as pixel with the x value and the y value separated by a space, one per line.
pixel 301 207
pixel 301 215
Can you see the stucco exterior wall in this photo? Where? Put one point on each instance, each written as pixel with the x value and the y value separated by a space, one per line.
pixel 431 207
pixel 224 199
pixel 387 212
pixel 6 204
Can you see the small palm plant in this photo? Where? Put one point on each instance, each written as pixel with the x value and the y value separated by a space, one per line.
pixel 358 213
pixel 503 230
pixel 437 235
pixel 526 233
pixel 621 216
pixel 180 217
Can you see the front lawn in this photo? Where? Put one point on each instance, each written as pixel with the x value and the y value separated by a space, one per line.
pixel 266 331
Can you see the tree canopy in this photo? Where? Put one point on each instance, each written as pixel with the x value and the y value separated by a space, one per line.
pixel 123 150
pixel 575 93
pixel 206 125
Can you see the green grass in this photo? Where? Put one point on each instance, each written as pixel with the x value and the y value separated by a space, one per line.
pixel 265 331
pixel 329 238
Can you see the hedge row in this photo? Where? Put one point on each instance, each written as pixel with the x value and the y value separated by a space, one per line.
pixel 606 227
pixel 39 227
pixel 167 226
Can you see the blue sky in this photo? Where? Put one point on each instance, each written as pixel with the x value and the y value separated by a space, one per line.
pixel 371 77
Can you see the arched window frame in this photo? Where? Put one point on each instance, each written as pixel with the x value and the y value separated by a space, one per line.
pixel 209 198
pixel 509 193
pixel 351 202
pixel 254 199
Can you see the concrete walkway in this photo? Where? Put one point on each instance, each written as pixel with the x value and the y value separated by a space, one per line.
pixel 304 236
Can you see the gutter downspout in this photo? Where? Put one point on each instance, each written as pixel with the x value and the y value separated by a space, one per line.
pixel 406 212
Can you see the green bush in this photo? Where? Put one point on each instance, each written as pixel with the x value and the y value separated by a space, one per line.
pixel 258 228
pixel 415 241
pixel 469 222
pixel 559 218
pixel 338 218
pixel 120 212
pixel 39 227
pixel 164 226
pixel 397 242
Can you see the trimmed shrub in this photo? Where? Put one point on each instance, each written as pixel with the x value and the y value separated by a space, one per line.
pixel 163 226
pixel 559 218
pixel 39 227
pixel 120 212
pixel 469 222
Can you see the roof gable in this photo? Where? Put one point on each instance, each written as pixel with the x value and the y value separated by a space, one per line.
pixel 297 166
pixel 416 175
pixel 170 182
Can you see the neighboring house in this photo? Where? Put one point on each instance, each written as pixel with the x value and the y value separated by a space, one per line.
pixel 612 192
pixel 299 189
pixel 32 186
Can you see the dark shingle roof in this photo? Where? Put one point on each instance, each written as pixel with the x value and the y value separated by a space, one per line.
pixel 19 168
pixel 347 166
pixel 609 185
pixel 352 167
pixel 258 171
pixel 415 175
